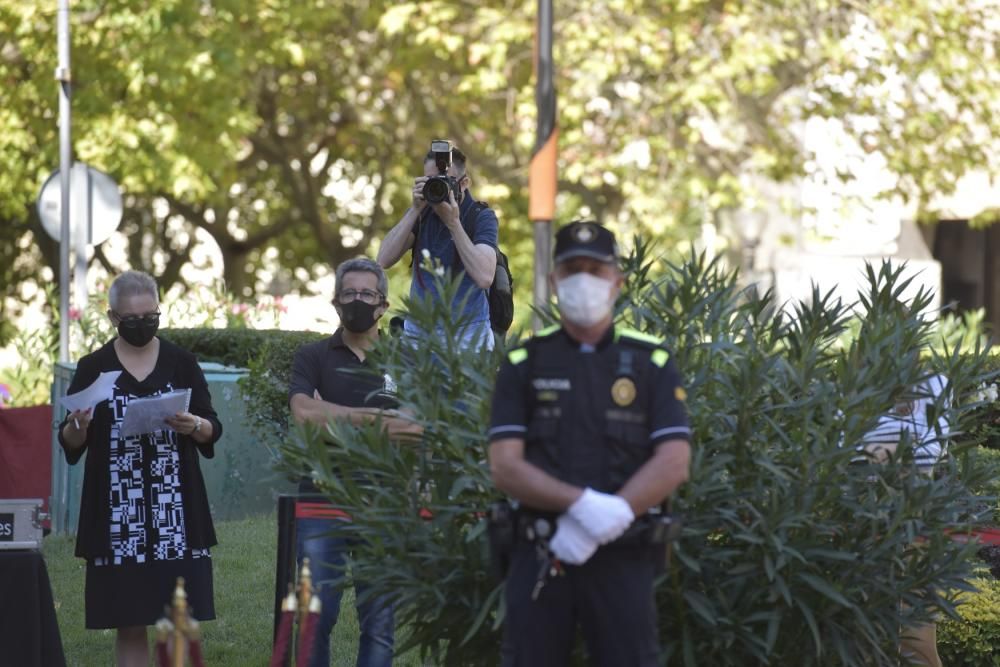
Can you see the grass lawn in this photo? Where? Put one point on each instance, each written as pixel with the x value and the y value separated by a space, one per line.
pixel 243 565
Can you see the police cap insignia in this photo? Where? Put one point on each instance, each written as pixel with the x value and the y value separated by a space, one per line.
pixel 585 238
pixel 623 392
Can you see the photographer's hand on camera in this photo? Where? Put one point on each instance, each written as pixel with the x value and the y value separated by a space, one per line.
pixel 418 194
pixel 450 215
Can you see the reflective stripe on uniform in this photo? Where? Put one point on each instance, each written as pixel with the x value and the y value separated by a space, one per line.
pixel 659 358
pixel 517 355
pixel 669 431
pixel 507 428
pixel 638 335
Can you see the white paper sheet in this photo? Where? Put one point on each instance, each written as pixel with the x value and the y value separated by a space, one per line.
pixel 101 389
pixel 145 415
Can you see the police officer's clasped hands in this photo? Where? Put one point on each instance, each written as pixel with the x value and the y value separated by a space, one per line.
pixel 594 519
pixel 572 543
pixel 604 515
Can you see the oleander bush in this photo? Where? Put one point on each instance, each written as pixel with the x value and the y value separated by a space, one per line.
pixel 793 554
pixel 793 551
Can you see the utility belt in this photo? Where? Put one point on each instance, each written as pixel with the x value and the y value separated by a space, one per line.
pixel 647 530
pixel 509 526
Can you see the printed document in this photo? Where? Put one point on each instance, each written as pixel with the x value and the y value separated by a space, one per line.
pixel 146 415
pixel 101 389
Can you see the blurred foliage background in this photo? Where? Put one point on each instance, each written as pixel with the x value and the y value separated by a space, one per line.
pixel 286 133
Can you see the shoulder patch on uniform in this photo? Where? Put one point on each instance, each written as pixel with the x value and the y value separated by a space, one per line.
pixel 634 335
pixel 659 357
pixel 517 355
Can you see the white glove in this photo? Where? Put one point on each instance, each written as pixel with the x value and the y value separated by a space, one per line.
pixel 572 543
pixel 603 515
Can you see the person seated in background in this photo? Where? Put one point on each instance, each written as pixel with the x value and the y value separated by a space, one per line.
pixel 918 418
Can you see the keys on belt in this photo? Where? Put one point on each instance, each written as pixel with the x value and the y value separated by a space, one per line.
pixel 539 530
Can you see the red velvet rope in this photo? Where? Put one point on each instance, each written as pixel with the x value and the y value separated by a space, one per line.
pixel 161 654
pixel 283 640
pixel 194 647
pixel 307 639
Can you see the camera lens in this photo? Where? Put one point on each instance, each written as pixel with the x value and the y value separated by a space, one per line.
pixel 436 190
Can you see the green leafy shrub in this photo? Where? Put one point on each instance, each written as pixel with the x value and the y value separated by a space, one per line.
pixel 986 400
pixel 790 554
pixel 267 354
pixel 972 639
pixel 232 347
pixel 265 387
pixel 30 380
pixel 989 489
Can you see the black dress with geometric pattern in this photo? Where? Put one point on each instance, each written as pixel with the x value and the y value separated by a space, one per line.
pixel 145 531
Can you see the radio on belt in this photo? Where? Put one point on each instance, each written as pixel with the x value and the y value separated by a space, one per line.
pixel 21 523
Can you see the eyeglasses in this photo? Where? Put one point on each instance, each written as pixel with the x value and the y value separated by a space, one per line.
pixel 366 295
pixel 134 321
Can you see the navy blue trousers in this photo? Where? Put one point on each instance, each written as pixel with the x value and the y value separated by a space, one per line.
pixel 610 598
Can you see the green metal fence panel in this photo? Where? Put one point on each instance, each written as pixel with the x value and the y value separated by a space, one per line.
pixel 240 480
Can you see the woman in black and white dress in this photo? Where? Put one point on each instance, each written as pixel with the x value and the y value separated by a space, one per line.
pixel 144 514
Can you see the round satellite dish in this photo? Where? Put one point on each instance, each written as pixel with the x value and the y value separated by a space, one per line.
pixel 95 205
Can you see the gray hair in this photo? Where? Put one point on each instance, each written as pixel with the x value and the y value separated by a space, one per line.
pixel 361 264
pixel 131 283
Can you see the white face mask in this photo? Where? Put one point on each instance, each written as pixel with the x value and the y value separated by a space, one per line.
pixel 584 299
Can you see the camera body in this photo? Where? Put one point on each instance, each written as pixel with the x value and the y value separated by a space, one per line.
pixel 437 187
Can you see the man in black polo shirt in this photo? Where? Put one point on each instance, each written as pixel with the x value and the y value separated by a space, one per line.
pixel 325 385
pixel 588 432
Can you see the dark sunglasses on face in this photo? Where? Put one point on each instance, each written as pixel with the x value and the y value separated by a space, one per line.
pixel 366 295
pixel 133 321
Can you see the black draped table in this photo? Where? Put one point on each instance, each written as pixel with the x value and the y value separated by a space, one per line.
pixel 29 631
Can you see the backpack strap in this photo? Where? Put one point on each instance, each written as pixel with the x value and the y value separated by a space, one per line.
pixel 477 208
pixel 473 215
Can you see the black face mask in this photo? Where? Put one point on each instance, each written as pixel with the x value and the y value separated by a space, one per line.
pixel 358 316
pixel 138 335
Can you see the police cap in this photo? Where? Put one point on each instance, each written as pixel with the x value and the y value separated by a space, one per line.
pixel 585 238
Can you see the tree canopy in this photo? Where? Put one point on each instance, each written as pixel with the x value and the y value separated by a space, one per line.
pixel 288 133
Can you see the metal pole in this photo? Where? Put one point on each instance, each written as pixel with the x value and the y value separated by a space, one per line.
pixel 65 164
pixel 84 209
pixel 542 173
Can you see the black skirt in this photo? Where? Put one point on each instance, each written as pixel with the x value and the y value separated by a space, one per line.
pixel 119 596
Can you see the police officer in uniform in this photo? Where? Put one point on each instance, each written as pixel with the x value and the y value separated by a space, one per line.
pixel 589 434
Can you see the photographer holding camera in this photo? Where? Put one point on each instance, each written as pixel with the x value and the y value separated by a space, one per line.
pixel 446 227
